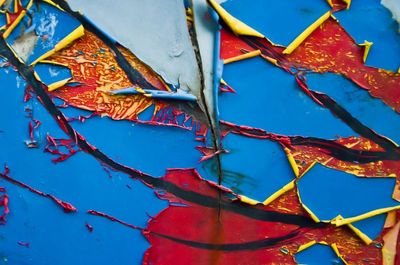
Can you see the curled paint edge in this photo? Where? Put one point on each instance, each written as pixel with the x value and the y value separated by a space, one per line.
pixel 244 56
pixel 151 93
pixel 367 46
pixel 8 31
pixel 280 192
pixel 74 35
pixel 314 242
pixel 339 221
pixel 12 26
pixel 364 237
pixel 237 26
pixel 55 85
pixel 292 162
pixel 248 200
pixel 310 29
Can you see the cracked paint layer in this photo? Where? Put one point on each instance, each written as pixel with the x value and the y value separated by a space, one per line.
pixel 114 92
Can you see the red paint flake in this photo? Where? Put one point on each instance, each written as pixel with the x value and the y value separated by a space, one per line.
pixel 226 88
pixel 24 244
pixel 32 126
pixel 28 94
pixel 54 146
pixel 198 231
pixel 208 152
pixel 89 227
pixel 82 118
pixel 3 205
pixel 114 219
pixel 65 205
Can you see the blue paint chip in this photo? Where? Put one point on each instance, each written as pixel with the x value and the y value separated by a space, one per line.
pixel 368 110
pixel 252 167
pixel 329 193
pixel 52 73
pixel 268 98
pixel 279 21
pixel 371 21
pixel 49 24
pixel 318 254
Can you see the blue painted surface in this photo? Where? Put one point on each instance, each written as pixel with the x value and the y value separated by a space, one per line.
pixel 52 73
pixel 268 98
pixel 368 110
pixel 279 21
pixel 371 21
pixel 3 19
pixel 252 167
pixel 49 23
pixel 341 193
pixel 372 226
pixel 318 254
pixel 54 236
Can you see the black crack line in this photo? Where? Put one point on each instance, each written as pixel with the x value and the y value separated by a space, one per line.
pixel 328 102
pixel 243 209
pixel 211 120
pixel 134 76
pixel 330 147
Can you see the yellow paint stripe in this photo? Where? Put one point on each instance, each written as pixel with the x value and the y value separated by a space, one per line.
pixel 58 84
pixel 8 31
pixel 307 245
pixel 367 46
pixel 280 192
pixel 243 56
pixel 248 200
pixel 292 46
pixel 75 34
pixel 345 221
pixel 292 162
pixel 237 26
pixel 367 240
pixel 336 250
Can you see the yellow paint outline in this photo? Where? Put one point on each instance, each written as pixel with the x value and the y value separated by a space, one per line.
pixel 367 46
pixel 8 31
pixel 244 56
pixel 237 26
pixel 55 85
pixel 280 192
pixel 248 200
pixel 310 29
pixel 333 246
pixel 348 2
pixel 292 162
pixel 74 35
pixel 367 240
pixel 339 221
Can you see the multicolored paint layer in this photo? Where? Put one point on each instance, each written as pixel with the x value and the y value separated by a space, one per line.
pixel 219 133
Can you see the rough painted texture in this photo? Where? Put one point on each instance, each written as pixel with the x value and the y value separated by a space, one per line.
pixel 204 223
